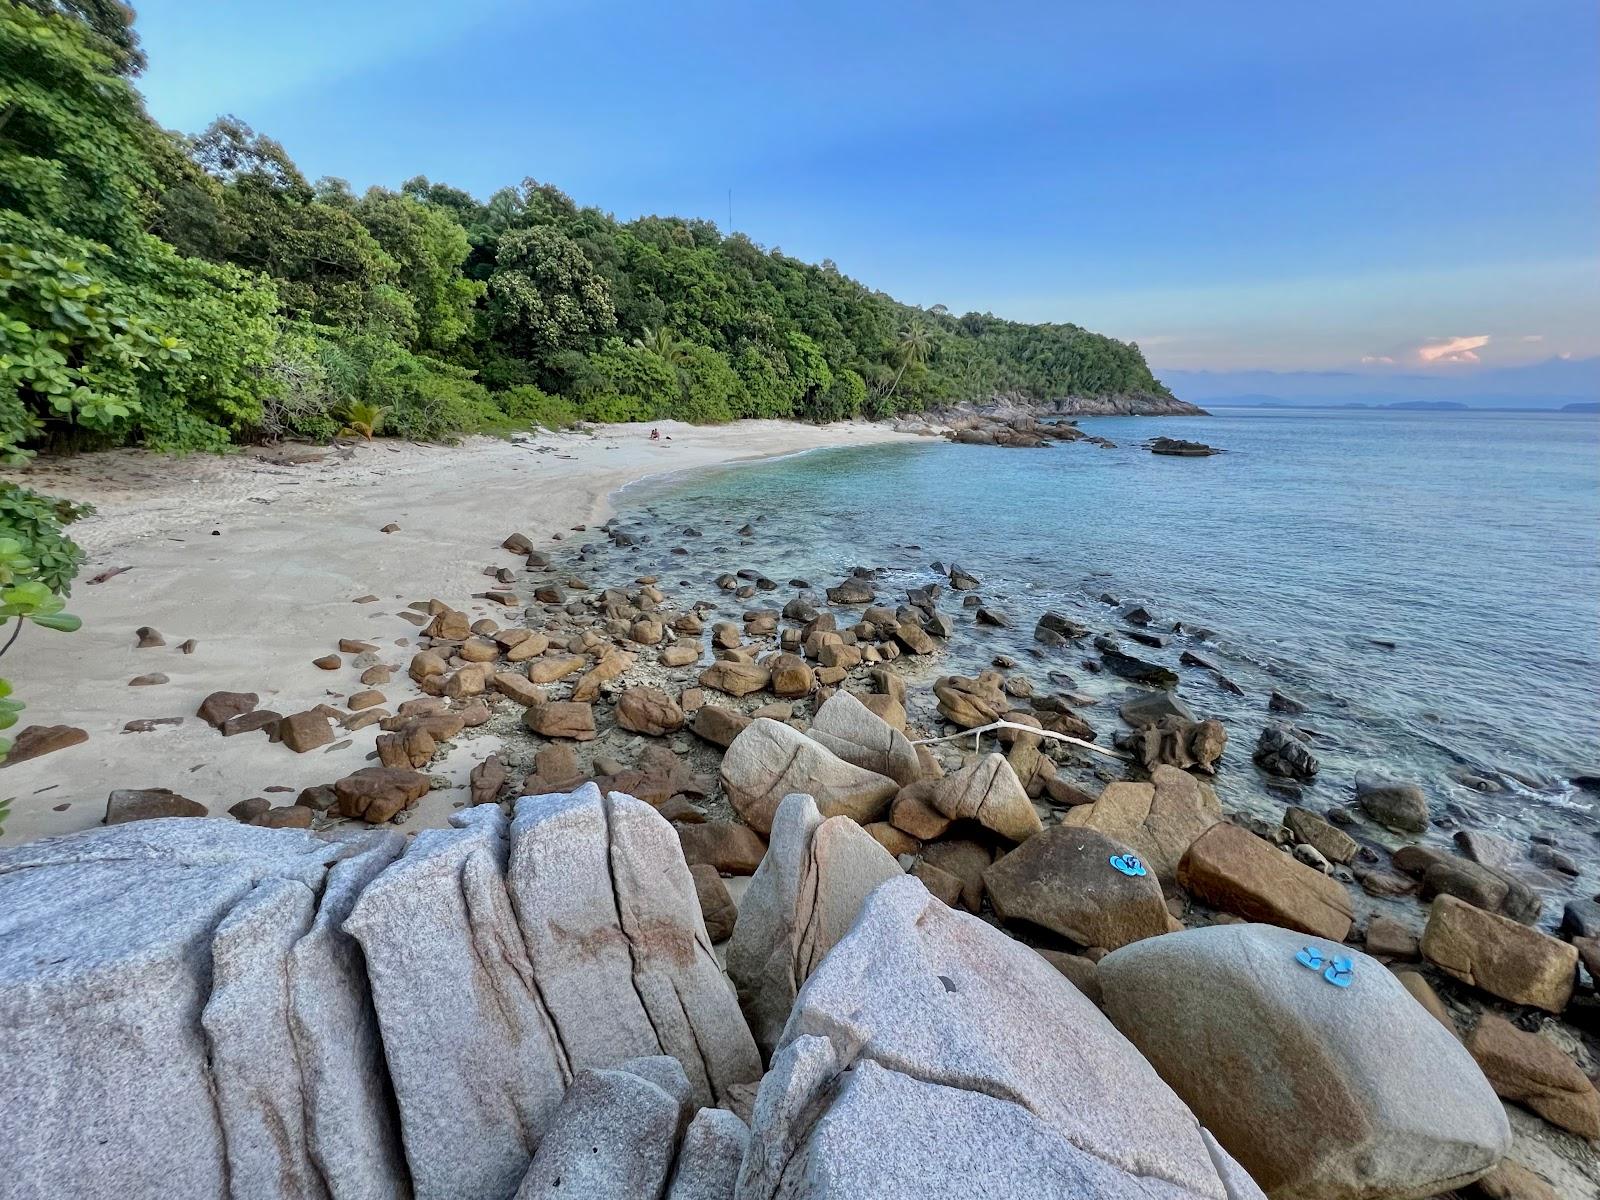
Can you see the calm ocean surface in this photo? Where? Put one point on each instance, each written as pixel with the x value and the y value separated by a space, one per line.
pixel 1471 541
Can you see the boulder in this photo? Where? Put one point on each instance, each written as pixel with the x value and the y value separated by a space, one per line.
pixel 649 711
pixel 1333 843
pixel 932 1057
pixel 216 708
pixel 1394 805
pixel 802 899
pixel 856 734
pixel 619 952
pixel 912 812
pixel 1176 742
pixel 719 725
pixel 791 675
pixel 970 703
pixel 723 846
pixel 989 792
pixel 716 904
pixel 1160 820
pixel 769 760
pixel 377 794
pixel 476 1063
pixel 1234 871
pixel 1279 752
pixel 709 1157
pixel 614 1135
pixel 1317 1090
pixel 144 804
pixel 735 678
pixel 965 860
pixel 561 719
pixel 1063 880
pixel 1513 1181
pixel 1500 956
pixel 38 740
pixel 303 731
pixel 1532 1071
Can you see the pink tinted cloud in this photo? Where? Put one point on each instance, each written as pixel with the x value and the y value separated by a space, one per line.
pixel 1438 351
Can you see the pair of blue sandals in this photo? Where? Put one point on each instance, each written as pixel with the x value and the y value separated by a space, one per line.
pixel 1337 970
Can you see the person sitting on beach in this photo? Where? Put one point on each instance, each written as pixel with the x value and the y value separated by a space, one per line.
pixel 655 435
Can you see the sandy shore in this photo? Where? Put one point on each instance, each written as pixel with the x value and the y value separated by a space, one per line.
pixel 259 559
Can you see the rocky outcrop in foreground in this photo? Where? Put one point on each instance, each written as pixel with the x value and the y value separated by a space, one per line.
pixel 532 1007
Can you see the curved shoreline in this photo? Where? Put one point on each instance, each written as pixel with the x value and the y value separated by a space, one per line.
pixel 273 588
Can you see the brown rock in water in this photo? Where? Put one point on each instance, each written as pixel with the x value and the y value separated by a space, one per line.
pixel 548 670
pixel 1063 880
pixel 486 779
pixel 1388 939
pixel 561 719
pixel 735 678
pixel 914 638
pixel 1532 1071
pixel 153 679
pixel 718 725
pixel 1160 820
pixel 251 722
pixel 1234 871
pixel 328 662
pixel 989 792
pixel 145 804
pixel 1333 843
pixel 716 905
pixel 376 794
pixel 287 816
pixel 913 812
pixel 649 711
pixel 970 703
pixel 148 637
pixel 518 688
pixel 1177 742
pixel 1499 955
pixel 38 740
pixel 722 845
pixel 303 731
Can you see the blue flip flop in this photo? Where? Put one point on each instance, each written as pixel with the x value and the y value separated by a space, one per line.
pixel 1129 865
pixel 1310 957
pixel 1341 973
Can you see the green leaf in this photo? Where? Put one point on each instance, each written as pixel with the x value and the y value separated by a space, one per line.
pixel 61 622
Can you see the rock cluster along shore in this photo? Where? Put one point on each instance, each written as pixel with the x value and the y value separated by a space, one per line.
pixel 958 966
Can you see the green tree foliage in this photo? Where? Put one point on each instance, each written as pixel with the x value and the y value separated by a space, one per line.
pixel 428 246
pixel 545 297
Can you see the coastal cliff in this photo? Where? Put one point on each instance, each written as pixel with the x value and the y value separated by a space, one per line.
pixel 1007 405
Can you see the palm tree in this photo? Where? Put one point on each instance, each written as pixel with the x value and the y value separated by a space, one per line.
pixel 664 344
pixel 913 346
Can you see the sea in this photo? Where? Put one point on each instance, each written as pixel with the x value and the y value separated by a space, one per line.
pixel 1425 584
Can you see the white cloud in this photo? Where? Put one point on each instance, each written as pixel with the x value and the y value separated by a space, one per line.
pixel 1384 360
pixel 1438 351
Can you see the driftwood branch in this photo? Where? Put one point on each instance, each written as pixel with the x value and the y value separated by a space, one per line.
pixel 1034 729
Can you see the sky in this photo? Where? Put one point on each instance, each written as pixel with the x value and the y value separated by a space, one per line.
pixel 1372 187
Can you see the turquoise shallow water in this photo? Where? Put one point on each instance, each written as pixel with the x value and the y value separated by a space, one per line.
pixel 1469 540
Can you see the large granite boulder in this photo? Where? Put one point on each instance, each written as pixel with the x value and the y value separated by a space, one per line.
pixel 709 1157
pixel 476 1062
pixel 930 1056
pixel 614 1135
pixel 988 791
pixel 769 760
pixel 1160 820
pixel 149 982
pixel 1321 1092
pixel 1065 880
pixel 620 956
pixel 860 736
pixel 802 899
pixel 1234 871
pixel 1500 956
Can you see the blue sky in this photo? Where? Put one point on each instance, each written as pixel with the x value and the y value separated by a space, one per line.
pixel 1365 186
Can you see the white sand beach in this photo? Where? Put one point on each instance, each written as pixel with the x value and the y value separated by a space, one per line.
pixel 259 559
